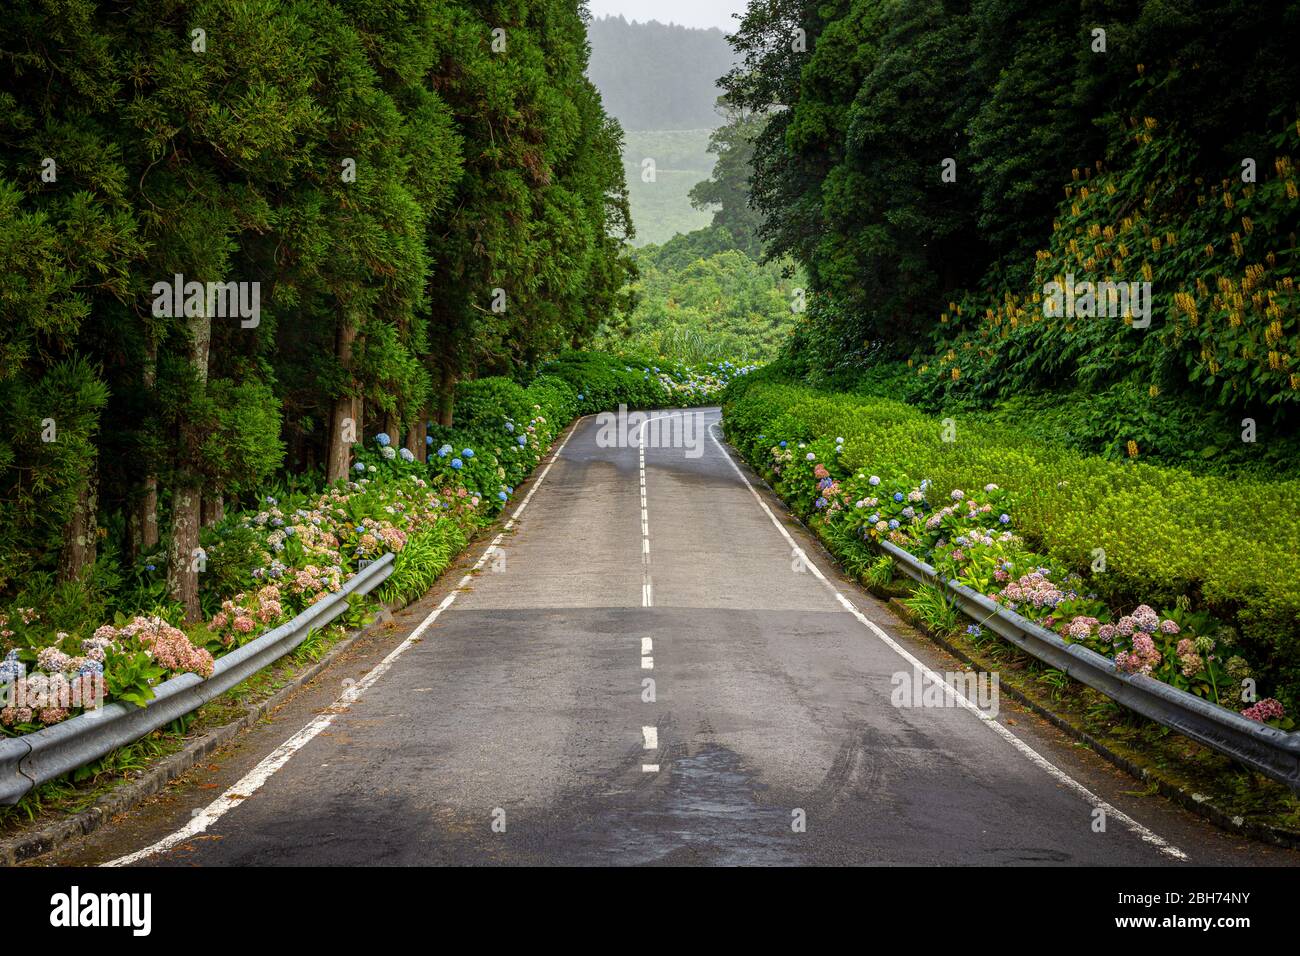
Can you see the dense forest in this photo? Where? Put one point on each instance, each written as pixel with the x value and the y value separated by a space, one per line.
pixel 239 237
pixel 937 182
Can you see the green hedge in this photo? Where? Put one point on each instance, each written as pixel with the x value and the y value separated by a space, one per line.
pixel 1231 546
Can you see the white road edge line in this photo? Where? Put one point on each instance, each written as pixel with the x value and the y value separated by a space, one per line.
pixel 1147 836
pixel 252 781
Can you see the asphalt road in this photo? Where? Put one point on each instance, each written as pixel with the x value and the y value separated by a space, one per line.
pixel 518 727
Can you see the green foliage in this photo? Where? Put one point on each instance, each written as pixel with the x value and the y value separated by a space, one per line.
pixel 722 305
pixel 605 381
pixel 129 676
pixel 1147 137
pixel 49 449
pixel 727 188
pixel 1230 547
pixel 378 169
pixel 233 551
pixel 935 610
pixel 418 565
pixel 1220 259
pixel 881 571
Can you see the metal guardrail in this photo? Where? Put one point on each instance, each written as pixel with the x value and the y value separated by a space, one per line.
pixel 35 758
pixel 1274 753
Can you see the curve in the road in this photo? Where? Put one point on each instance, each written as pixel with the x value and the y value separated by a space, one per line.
pixel 514 722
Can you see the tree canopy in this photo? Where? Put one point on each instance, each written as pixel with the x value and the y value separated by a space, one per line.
pixel 373 199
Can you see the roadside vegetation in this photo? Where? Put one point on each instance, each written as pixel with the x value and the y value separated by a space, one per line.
pixel 1052 343
pixel 295 547
pixel 300 543
pixel 1144 564
pixel 1053 336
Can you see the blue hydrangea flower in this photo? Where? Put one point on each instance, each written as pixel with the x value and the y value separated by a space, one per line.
pixel 428 439
pixel 90 667
pixel 974 630
pixel 359 466
pixel 501 495
pixel 522 440
pixel 468 453
pixel 510 426
pixel 898 496
pixel 783 444
pixel 1005 518
pixel 444 451
pixel 383 439
pixel 151 567
pixel 457 464
pixel 407 454
pixel 893 524
pixel 581 397
pixel 873 480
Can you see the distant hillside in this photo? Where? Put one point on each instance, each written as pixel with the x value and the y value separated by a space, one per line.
pixel 653 76
pixel 662 208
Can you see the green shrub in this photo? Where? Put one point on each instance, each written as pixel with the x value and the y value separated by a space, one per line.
pixel 1230 547
pixel 426 555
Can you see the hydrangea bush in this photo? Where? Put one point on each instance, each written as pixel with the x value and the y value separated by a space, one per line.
pixel 850 481
pixel 293 548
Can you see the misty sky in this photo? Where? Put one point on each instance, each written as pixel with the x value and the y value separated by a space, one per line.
pixel 689 13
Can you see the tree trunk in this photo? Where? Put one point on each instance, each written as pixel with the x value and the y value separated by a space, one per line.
pixel 393 427
pixel 142 523
pixel 446 398
pixel 183 561
pixel 145 520
pixel 79 533
pixel 415 436
pixel 149 515
pixel 344 426
pixel 214 509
